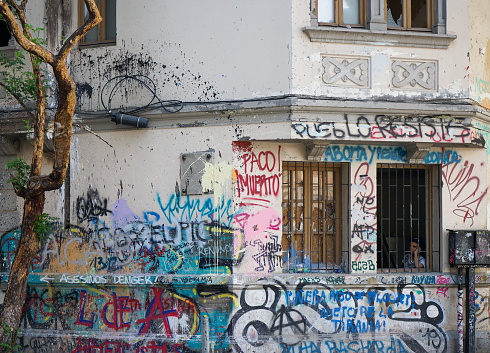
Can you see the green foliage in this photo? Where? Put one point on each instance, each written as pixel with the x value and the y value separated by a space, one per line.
pixel 27 125
pixel 10 346
pixel 19 80
pixel 42 225
pixel 21 173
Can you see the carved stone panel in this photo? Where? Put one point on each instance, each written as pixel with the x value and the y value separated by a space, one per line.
pixel 346 71
pixel 414 75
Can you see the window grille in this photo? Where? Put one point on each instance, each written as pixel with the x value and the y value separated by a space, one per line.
pixel 408 202
pixel 312 197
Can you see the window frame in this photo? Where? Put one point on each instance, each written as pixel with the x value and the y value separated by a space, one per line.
pixel 300 210
pixel 407 17
pixel 101 27
pixel 431 249
pixel 376 30
pixel 338 14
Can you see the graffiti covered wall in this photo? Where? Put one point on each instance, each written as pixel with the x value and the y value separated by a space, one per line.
pixel 144 272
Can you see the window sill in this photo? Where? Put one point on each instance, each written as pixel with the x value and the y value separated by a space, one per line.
pixel 391 38
pixel 97 44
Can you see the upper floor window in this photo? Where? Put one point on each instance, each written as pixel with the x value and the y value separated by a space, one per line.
pixel 409 14
pixel 341 12
pixel 105 32
pixel 399 14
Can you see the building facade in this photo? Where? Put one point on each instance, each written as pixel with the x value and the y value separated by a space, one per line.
pixel 294 188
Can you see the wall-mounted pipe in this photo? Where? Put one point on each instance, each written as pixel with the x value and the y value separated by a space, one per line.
pixel 205 334
pixel 460 311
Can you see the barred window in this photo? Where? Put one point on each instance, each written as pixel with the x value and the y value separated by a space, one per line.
pixel 312 202
pixel 408 202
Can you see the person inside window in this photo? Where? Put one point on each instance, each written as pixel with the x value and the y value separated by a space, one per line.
pixel 414 259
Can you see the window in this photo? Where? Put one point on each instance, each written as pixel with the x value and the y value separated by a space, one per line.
pixel 408 202
pixel 341 12
pixel 5 35
pixel 312 225
pixel 105 32
pixel 399 14
pixel 409 14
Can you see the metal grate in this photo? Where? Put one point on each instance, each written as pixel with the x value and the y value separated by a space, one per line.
pixel 409 212
pixel 312 198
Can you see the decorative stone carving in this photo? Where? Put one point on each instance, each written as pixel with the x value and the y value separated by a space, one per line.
pixel 346 71
pixel 414 75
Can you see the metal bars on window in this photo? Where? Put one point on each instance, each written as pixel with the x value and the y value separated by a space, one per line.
pixel 312 223
pixel 409 216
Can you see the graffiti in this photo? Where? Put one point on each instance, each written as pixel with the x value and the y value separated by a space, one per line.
pixel 482 90
pixel 363 265
pixel 166 314
pixel 364 219
pixel 432 128
pixel 465 191
pixel 138 245
pixel 444 157
pixel 347 153
pixel 269 255
pixel 112 346
pixel 265 179
pixel 179 209
pixel 281 320
pixel 257 185
pixel 91 206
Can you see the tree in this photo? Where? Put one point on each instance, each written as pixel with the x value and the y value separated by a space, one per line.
pixel 33 188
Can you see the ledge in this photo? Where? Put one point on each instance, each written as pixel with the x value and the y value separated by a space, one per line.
pixel 390 38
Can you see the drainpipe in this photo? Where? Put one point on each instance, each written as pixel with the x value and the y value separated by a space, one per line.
pixel 471 310
pixel 460 311
pixel 205 334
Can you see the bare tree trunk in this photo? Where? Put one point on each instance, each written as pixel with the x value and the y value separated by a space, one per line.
pixel 34 191
pixel 19 274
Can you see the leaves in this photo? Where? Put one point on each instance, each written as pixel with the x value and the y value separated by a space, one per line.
pixel 11 345
pixel 42 225
pixel 19 80
pixel 21 174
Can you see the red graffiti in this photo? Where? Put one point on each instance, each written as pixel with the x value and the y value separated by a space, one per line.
pixel 156 311
pixel 464 188
pixel 443 291
pixel 442 280
pixel 260 175
pixel 258 185
pixel 115 311
pixel 81 312
pixel 263 161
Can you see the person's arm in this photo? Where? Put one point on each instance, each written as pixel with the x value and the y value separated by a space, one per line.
pixel 416 261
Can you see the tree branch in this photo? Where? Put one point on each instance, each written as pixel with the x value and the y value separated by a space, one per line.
pixel 19 36
pixel 19 100
pixel 93 20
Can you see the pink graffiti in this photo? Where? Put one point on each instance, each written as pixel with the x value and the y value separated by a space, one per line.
pixel 442 280
pixel 443 291
pixel 464 189
pixel 255 224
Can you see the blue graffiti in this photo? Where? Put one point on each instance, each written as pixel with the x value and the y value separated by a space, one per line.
pixel 179 208
pixel 445 157
pixel 337 153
